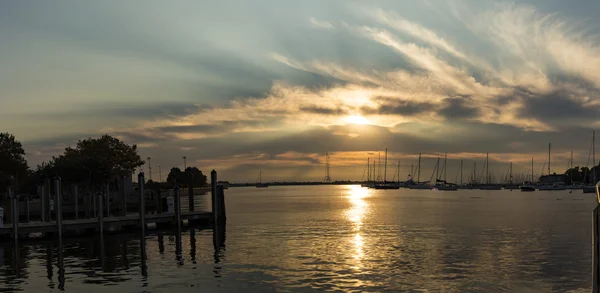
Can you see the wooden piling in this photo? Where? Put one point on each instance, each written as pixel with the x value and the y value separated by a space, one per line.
pixel 191 193
pixel 46 200
pixel 100 202
pixel 177 202
pixel 43 208
pixel 76 200
pixel 141 182
pixel 15 214
pixel 107 195
pixel 221 202
pixel 595 251
pixel 123 197
pixel 213 193
pixel 58 185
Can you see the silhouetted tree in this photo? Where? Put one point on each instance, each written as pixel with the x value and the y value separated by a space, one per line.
pixel 97 160
pixel 13 165
pixel 182 179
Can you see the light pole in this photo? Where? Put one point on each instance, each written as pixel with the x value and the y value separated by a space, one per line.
pixel 149 169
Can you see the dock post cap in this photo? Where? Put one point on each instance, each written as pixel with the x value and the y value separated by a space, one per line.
pixel 213 171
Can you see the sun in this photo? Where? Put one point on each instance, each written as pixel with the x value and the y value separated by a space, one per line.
pixel 357 120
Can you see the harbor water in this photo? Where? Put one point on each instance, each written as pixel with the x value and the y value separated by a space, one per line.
pixel 334 238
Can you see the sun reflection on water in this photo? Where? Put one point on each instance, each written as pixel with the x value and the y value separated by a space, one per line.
pixel 356 214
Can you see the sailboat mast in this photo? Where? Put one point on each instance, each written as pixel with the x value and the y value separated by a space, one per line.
pixel 445 167
pixel 368 169
pixel 412 172
pixel 571 168
pixel 398 171
pixel 385 168
pixel 474 172
pixel 510 178
pixel 437 170
pixel 487 168
pixel 549 159
pixel 419 169
pixel 379 167
pixel 461 168
pixel 594 156
pixel 532 170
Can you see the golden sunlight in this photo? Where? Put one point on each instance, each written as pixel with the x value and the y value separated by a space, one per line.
pixel 357 120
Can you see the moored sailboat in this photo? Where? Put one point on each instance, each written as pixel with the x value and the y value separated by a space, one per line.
pixel 259 184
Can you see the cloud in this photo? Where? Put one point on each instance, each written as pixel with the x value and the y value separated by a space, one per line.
pixel 321 24
pixel 247 91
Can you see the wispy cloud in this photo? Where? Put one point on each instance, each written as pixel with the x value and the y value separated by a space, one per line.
pixel 321 24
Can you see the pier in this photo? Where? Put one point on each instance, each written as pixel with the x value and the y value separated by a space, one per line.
pixel 105 222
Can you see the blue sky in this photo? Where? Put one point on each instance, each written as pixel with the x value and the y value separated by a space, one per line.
pixel 246 85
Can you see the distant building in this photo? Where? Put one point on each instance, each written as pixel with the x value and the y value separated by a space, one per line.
pixel 553 178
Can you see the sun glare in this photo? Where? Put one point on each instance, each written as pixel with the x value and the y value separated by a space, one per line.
pixel 357 120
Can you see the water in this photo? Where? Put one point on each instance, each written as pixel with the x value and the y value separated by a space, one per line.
pixel 338 238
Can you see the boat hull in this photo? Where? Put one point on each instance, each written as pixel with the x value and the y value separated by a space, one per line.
pixel 527 188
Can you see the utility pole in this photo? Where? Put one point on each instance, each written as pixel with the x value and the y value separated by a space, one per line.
pixel 149 169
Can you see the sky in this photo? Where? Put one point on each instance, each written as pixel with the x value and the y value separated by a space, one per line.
pixel 243 86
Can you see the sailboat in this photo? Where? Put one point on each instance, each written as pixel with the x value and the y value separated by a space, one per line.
pixel 259 184
pixel 529 186
pixel 366 183
pixel 385 184
pixel 488 185
pixel 572 185
pixel 510 185
pixel 418 184
pixel 553 186
pixel 592 188
pixel 445 185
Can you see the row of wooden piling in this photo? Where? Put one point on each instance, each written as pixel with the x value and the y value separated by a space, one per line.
pixel 217 196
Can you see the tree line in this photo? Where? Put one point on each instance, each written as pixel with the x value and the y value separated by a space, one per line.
pixel 92 163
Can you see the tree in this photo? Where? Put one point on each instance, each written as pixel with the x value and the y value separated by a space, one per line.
pixel 97 160
pixel 13 165
pixel 176 176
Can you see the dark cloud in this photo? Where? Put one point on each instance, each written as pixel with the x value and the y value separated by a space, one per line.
pixel 458 108
pixel 389 106
pixel 558 108
pixel 323 110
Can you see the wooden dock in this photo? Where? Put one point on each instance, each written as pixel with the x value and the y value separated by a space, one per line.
pixel 104 221
pixel 110 223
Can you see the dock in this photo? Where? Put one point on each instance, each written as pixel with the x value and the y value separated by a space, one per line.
pixel 115 224
pixel 105 222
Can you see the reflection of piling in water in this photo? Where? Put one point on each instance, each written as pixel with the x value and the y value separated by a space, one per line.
pixel 193 246
pixel 59 204
pixel 61 265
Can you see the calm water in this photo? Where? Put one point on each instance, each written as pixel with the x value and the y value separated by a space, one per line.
pixel 338 238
